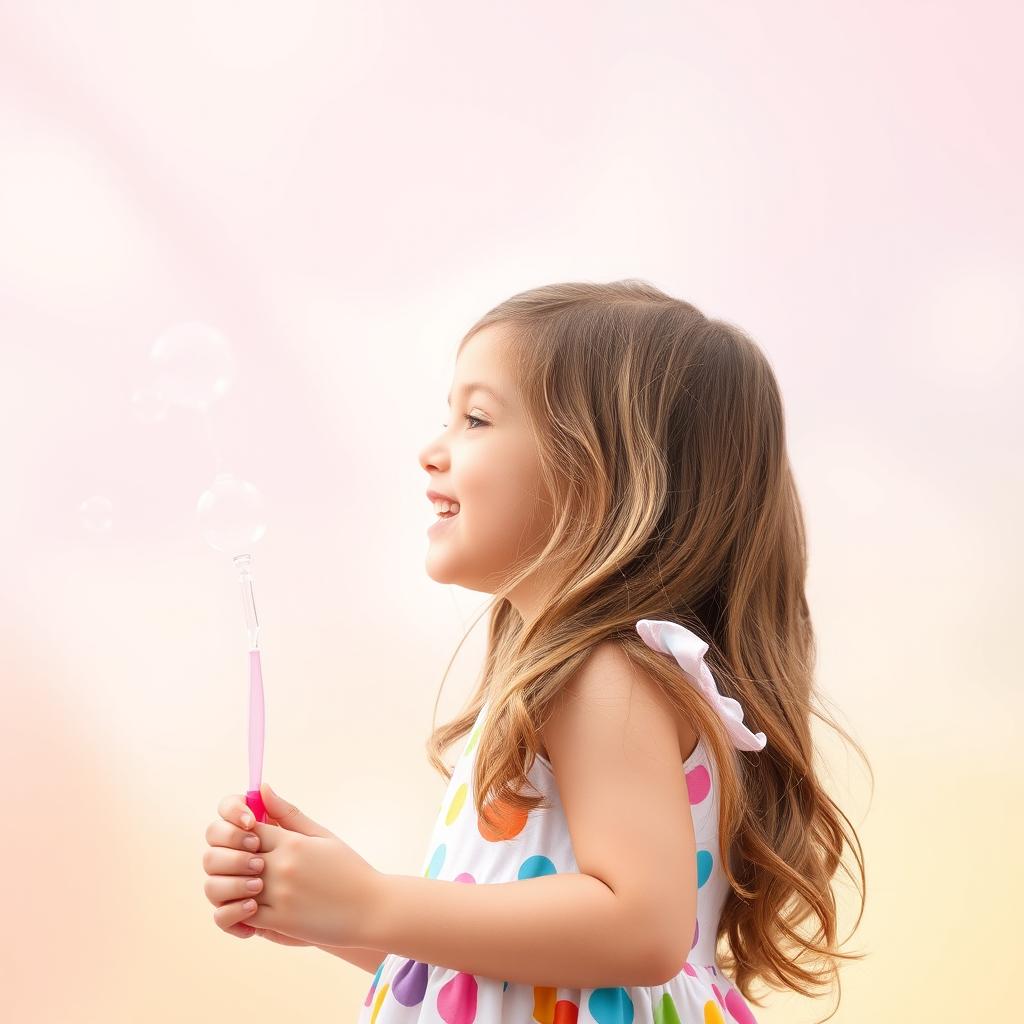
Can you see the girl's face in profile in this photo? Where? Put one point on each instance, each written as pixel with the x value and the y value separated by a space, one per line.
pixel 486 460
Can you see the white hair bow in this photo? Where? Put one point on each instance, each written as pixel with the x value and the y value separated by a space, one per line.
pixel 688 649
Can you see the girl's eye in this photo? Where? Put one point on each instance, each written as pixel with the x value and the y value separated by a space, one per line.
pixel 475 419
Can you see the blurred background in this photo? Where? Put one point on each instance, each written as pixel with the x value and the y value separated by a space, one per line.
pixel 333 193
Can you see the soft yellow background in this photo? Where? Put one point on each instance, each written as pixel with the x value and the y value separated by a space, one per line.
pixel 342 190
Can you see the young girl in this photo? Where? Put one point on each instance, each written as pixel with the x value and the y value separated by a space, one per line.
pixel 615 473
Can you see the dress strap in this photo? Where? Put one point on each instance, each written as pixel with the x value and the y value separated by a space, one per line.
pixel 688 649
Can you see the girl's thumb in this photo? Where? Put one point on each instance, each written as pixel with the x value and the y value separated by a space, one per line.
pixel 288 816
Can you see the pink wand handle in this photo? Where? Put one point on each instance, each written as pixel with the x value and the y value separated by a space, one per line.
pixel 254 799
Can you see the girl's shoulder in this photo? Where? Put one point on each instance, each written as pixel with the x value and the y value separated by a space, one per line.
pixel 608 678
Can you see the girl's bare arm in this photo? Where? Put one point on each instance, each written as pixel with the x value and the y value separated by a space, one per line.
pixel 368 959
pixel 626 914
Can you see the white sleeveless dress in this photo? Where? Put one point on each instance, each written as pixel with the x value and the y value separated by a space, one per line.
pixel 465 849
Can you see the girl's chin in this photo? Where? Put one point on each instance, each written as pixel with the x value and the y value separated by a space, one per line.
pixel 442 574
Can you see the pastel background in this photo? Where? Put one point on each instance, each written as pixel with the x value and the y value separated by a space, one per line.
pixel 341 190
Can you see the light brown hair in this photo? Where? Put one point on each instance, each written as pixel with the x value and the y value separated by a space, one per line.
pixel 662 442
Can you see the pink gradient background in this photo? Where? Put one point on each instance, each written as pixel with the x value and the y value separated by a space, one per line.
pixel 342 190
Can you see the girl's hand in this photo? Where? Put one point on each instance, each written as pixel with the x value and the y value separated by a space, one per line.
pixel 318 889
pixel 232 845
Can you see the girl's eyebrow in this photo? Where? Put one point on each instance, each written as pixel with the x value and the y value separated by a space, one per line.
pixel 467 388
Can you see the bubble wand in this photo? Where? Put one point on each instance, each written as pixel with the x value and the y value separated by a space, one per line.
pixel 195 367
pixel 231 513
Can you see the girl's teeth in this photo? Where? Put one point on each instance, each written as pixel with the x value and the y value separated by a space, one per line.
pixel 441 507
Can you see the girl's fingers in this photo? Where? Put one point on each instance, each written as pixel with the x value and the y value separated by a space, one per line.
pixel 233 808
pixel 218 861
pixel 231 917
pixel 223 833
pixel 232 843
pixel 221 889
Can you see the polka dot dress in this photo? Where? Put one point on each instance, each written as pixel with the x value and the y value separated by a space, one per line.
pixel 511 845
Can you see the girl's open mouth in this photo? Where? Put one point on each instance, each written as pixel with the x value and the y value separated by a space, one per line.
pixel 442 517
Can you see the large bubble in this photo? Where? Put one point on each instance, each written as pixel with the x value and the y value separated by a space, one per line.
pixel 231 514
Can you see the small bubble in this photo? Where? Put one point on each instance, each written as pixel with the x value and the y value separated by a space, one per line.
pixel 194 363
pixel 96 515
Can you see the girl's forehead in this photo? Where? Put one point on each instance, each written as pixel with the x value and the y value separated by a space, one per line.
pixel 486 361
pixel 481 368
pixel 465 389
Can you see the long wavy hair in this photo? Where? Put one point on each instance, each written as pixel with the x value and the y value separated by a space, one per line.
pixel 662 444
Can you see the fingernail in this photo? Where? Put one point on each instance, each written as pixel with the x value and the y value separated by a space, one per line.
pixel 246 820
pixel 249 905
pixel 256 864
pixel 253 885
pixel 252 842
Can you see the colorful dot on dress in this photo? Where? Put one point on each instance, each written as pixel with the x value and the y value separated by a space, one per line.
pixel 373 984
pixel 410 983
pixel 472 739
pixel 456 805
pixel 436 861
pixel 712 1014
pixel 544 998
pixel 698 784
pixel 737 1007
pixel 381 993
pixel 566 1012
pixel 665 1011
pixel 465 876
pixel 535 866
pixel 456 1002
pixel 705 862
pixel 611 1006
pixel 499 821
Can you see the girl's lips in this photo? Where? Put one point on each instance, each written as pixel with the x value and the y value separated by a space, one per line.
pixel 433 496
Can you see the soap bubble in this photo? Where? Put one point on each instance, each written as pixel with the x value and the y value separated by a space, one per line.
pixel 231 514
pixel 148 404
pixel 96 515
pixel 194 364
